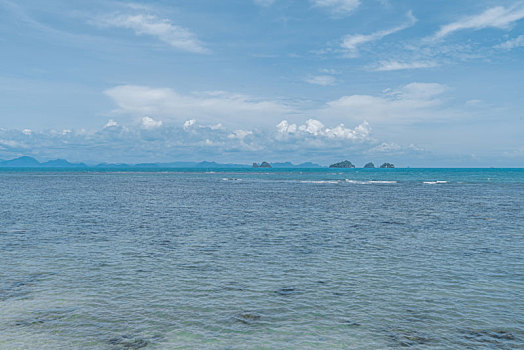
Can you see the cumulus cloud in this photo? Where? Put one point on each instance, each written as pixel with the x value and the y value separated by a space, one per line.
pixel 213 107
pixel 132 143
pixel 189 123
pixel 384 66
pixel 495 17
pixel 350 43
pixel 150 123
pixel 323 80
pixel 110 123
pixel 239 134
pixel 313 127
pixel 285 128
pixel 338 7
pixel 161 28
pixel 512 43
pixel 386 147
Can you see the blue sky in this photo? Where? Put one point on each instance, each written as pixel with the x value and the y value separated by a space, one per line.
pixel 420 83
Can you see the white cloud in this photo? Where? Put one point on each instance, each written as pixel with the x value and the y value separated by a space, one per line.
pixel 329 71
pixel 350 43
pixel 264 3
pixel 323 80
pixel 474 102
pixel 415 101
pixel 419 91
pixel 313 127
pixel 176 36
pixel 27 132
pixel 220 111
pixel 210 107
pixel 239 134
pixel 189 123
pixel 10 144
pixel 362 131
pixel 149 123
pixel 396 65
pixel 386 148
pixel 338 7
pixel 285 128
pixel 495 17
pixel 512 43
pixel 110 123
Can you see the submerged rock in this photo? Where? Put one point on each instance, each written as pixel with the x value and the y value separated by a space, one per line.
pixel 127 342
pixel 45 316
pixel 345 164
pixel 387 166
pixel 369 165
pixel 248 318
pixel 489 336
pixel 23 287
pixel 286 291
pixel 408 338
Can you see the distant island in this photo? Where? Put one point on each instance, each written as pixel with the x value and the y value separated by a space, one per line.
pixel 345 164
pixel 30 162
pixel 301 165
pixel 262 165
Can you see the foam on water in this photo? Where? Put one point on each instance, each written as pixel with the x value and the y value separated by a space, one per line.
pixel 320 181
pixel 370 182
pixel 348 181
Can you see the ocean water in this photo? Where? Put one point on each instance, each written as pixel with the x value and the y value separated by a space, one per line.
pixel 262 259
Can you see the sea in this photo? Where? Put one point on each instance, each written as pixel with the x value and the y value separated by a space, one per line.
pixel 261 258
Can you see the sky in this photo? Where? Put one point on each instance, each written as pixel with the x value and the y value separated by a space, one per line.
pixel 418 83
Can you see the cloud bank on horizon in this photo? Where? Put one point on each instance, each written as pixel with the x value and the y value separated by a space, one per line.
pixel 423 83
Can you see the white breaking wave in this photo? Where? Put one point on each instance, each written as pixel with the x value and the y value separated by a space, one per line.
pixel 435 182
pixel 370 182
pixel 230 179
pixel 320 182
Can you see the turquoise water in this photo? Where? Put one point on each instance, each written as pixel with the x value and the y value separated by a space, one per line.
pixel 236 259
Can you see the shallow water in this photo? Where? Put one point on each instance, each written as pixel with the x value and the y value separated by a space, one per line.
pixel 311 259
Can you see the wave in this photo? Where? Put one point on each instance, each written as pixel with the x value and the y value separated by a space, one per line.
pixel 320 181
pixel 348 181
pixel 435 182
pixel 370 182
pixel 230 179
